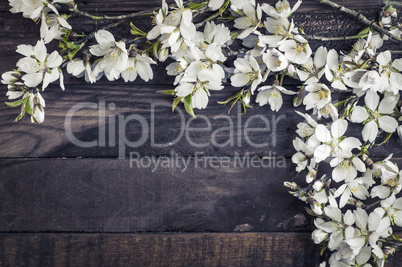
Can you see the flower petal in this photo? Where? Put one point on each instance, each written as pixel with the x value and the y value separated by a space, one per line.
pixel 388 124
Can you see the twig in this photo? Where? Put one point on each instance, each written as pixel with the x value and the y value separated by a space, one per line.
pixel 150 12
pixel 341 38
pixel 106 17
pixel 373 205
pixel 361 17
pixel 207 19
pixel 396 52
pixel 388 3
pixel 92 34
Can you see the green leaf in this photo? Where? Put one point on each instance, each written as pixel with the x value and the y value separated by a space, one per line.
pixel 136 31
pixel 16 103
pixel 224 7
pixel 176 101
pixel 323 250
pixel 28 107
pixel 155 47
pixel 365 31
pixel 167 92
pixel 310 212
pixel 196 5
pixel 19 117
pixel 188 105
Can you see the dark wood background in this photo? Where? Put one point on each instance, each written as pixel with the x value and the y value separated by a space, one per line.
pixel 62 205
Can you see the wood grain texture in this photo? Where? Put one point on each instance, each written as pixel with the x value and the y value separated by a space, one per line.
pixel 204 249
pixel 132 6
pixel 260 132
pixel 18 30
pixel 49 184
pixel 106 195
pixel 250 249
pixel 111 195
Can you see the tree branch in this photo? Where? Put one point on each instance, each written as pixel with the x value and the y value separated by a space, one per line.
pixel 340 38
pixel 360 17
pixel 106 17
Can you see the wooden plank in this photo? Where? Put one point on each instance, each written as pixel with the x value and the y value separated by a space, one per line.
pixel 208 249
pixel 132 6
pixel 180 194
pixel 250 249
pixel 155 130
pixel 18 30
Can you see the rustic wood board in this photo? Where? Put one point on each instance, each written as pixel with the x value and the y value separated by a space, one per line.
pixel 133 6
pixel 260 132
pixel 106 195
pixel 112 195
pixel 48 184
pixel 203 249
pixel 249 249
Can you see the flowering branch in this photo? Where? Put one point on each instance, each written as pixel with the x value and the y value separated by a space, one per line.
pixel 362 18
pixel 356 203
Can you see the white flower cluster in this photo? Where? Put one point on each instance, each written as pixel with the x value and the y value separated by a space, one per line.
pixel 37 67
pixel 355 233
pixel 53 24
pixel 198 55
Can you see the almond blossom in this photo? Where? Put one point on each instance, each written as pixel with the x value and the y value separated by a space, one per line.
pixel 272 95
pixel 247 72
pixel 319 95
pixel 251 20
pixel 339 227
pixel 138 65
pixel 197 84
pixel 333 141
pixel 39 66
pixel 281 9
pixel 375 115
pixel 53 25
pixel 392 208
pixel 114 56
pixel 312 71
pixel 297 50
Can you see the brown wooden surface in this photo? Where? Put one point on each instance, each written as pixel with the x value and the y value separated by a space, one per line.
pixel 108 195
pixel 132 6
pixel 202 249
pixel 246 249
pixel 64 205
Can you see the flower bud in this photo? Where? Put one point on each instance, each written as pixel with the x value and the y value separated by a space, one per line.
pixel 72 36
pixel 246 97
pixel 387 250
pixel 369 163
pixel 318 185
pixel 292 185
pixel 311 176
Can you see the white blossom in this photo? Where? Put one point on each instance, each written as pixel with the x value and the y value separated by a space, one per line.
pixel 273 96
pixel 333 142
pixel 247 72
pixel 297 51
pixel 375 115
pixel 319 95
pixel 39 66
pixel 251 20
pixel 141 65
pixel 113 55
pixel 53 25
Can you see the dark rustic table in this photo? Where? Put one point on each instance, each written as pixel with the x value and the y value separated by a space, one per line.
pixel 65 205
